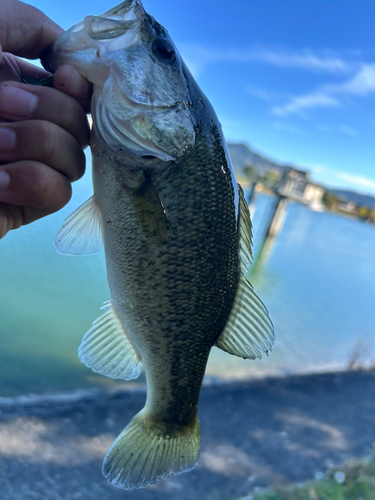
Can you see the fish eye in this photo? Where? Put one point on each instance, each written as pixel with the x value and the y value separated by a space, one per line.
pixel 164 50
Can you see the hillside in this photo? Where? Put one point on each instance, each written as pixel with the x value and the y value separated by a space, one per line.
pixel 361 200
pixel 242 156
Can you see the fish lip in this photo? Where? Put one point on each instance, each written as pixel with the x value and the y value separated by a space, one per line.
pixel 53 56
pixel 124 8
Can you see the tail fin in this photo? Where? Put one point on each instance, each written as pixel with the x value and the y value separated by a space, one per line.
pixel 145 452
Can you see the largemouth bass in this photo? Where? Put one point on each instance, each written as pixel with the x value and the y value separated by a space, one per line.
pixel 176 232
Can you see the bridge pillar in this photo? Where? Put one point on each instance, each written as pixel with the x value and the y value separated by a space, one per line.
pixel 278 216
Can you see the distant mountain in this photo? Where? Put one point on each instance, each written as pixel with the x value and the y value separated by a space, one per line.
pixel 361 200
pixel 242 156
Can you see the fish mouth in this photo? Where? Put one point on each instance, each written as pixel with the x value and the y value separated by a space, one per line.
pixel 116 51
pixel 83 41
pixel 124 8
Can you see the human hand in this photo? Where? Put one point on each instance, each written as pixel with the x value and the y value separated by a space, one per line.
pixel 42 130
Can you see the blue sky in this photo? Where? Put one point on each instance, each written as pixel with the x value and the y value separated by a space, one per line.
pixel 295 80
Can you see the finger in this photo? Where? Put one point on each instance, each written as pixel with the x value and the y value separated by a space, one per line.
pixel 34 32
pixel 27 68
pixel 34 186
pixel 11 217
pixel 43 142
pixel 68 80
pixel 9 68
pixel 19 101
pixel 12 67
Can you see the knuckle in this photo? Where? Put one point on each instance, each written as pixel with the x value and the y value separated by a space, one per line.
pixel 47 135
pixel 55 147
pixel 39 183
pixel 50 190
pixel 75 122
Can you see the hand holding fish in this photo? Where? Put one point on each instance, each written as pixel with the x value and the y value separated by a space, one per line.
pixel 42 130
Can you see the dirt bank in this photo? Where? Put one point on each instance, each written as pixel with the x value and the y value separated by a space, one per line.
pixel 253 434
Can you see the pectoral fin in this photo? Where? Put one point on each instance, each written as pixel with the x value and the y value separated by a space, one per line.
pixel 81 232
pixel 107 350
pixel 150 212
pixel 249 330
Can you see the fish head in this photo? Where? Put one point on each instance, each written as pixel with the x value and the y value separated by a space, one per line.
pixel 141 102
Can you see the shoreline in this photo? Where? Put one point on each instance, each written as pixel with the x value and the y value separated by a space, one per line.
pixel 255 434
pixel 77 395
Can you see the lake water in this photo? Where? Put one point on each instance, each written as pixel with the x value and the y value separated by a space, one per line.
pixel 316 278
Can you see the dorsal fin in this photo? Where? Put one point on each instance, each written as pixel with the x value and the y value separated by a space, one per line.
pixel 249 330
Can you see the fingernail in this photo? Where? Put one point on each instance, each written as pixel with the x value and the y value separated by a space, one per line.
pixel 7 139
pixel 4 180
pixel 16 102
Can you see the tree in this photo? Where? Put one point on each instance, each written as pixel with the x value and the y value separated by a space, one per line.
pixel 371 216
pixel 364 212
pixel 330 200
pixel 249 172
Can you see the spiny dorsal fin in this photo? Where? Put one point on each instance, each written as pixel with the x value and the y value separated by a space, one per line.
pixel 107 350
pixel 81 232
pixel 249 330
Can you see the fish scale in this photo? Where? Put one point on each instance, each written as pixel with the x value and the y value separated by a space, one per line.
pixel 176 233
pixel 186 308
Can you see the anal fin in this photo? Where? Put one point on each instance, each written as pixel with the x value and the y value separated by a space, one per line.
pixel 107 350
pixel 249 330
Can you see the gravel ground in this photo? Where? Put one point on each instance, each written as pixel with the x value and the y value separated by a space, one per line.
pixel 254 434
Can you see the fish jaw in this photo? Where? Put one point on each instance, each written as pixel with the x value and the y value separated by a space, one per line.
pixel 82 44
pixel 141 103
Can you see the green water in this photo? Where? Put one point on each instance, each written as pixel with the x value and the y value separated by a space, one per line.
pixel 316 278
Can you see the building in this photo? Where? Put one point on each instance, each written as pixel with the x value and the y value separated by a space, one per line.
pixel 295 184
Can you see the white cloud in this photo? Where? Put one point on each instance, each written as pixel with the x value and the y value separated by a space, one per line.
pixel 301 103
pixel 197 57
pixel 349 131
pixel 361 84
pixel 261 94
pixel 287 127
pixel 303 60
pixel 346 130
pixel 337 179
pixel 315 169
pixel 362 182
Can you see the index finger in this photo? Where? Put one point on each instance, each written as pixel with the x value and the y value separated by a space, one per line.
pixel 25 30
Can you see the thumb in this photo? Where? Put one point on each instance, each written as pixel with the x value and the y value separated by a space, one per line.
pixel 24 30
